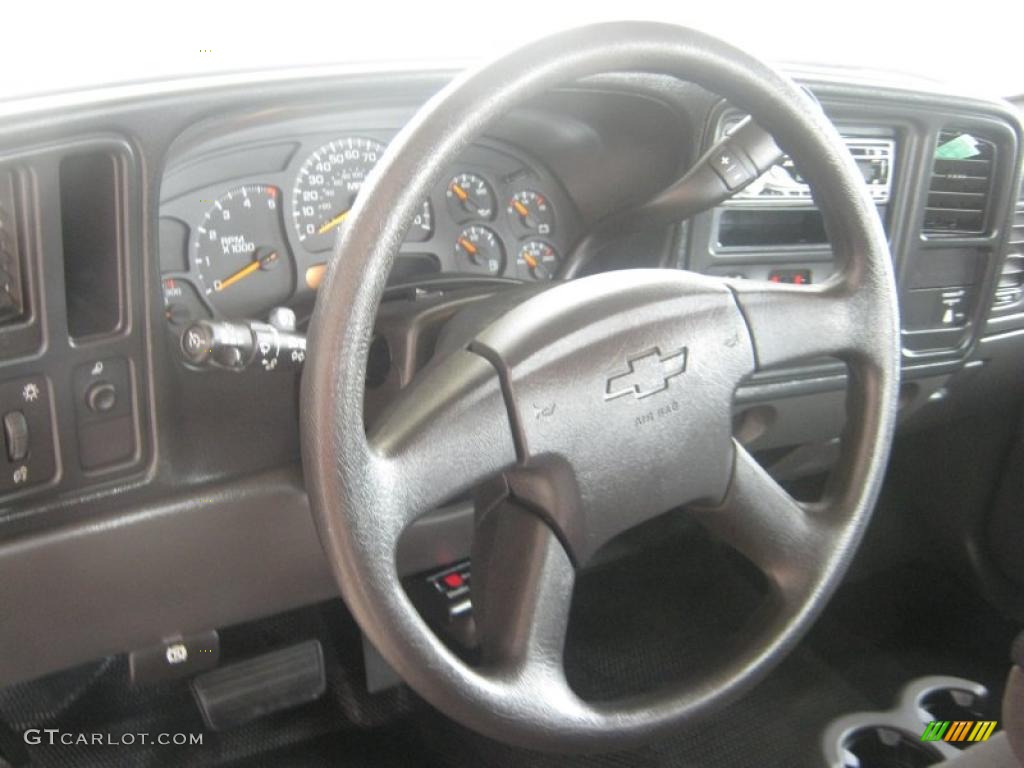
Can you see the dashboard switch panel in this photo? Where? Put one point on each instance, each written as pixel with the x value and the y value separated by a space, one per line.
pixel 937 308
pixel 175 658
pixel 103 404
pixel 29 457
pixel 16 435
pixel 792 276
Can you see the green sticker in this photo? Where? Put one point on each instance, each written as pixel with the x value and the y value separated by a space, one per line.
pixel 960 148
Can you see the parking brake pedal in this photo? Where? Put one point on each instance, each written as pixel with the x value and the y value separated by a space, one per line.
pixel 233 695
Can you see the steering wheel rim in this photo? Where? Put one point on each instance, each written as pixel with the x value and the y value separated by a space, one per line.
pixel 364 489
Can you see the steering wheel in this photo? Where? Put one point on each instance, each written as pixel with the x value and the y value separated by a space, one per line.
pixel 591 407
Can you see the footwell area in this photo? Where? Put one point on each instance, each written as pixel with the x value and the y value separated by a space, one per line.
pixel 644 619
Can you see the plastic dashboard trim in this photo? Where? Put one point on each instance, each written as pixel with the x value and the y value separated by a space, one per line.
pixel 127 565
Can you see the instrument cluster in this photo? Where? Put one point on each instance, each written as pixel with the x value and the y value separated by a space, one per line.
pixel 254 242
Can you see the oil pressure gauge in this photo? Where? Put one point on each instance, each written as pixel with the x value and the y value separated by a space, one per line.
pixel 470 197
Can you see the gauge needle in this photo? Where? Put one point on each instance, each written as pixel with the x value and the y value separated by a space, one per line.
pixel 470 248
pixel 530 261
pixel 521 209
pixel 463 196
pixel 332 223
pixel 245 271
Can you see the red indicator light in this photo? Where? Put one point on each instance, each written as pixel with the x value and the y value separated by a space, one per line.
pixel 453 580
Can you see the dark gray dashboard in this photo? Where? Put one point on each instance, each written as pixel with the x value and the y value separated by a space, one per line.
pixel 201 520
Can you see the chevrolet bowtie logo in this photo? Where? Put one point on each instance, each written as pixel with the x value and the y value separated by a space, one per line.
pixel 646 374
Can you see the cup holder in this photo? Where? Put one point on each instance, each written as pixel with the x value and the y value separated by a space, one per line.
pixel 957 704
pixel 893 738
pixel 883 747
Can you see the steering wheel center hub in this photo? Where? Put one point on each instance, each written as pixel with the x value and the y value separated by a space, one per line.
pixel 627 378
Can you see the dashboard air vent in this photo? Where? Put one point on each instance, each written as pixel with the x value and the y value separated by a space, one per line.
pixel 1010 289
pixel 961 182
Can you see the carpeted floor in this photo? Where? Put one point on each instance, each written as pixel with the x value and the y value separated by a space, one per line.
pixel 651 617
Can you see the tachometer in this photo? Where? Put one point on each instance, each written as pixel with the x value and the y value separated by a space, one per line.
pixel 326 190
pixel 239 252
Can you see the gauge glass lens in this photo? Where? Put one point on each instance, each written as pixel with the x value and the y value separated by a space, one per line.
pixel 470 197
pixel 239 254
pixel 326 188
pixel 531 213
pixel 537 259
pixel 478 249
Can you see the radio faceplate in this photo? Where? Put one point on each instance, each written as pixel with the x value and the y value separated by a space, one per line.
pixel 783 185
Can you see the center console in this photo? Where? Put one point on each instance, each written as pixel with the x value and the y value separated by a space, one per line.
pixel 941 183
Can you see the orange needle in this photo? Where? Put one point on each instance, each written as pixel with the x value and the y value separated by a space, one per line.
pixel 521 209
pixel 530 261
pixel 244 272
pixel 332 223
pixel 470 248
pixel 459 192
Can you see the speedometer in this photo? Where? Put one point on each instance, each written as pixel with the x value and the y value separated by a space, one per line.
pixel 327 186
pixel 326 189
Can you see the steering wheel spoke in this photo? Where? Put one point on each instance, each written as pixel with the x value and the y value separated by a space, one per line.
pixel 789 323
pixel 522 589
pixel 447 432
pixel 785 539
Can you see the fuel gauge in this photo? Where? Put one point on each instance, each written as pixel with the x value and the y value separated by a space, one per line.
pixel 481 248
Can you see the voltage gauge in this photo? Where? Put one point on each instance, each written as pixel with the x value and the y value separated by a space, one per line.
pixel 531 213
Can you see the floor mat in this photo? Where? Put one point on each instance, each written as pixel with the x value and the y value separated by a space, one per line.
pixel 875 636
pixel 660 616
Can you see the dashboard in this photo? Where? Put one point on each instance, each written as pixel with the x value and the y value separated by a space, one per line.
pixel 127 218
pixel 251 228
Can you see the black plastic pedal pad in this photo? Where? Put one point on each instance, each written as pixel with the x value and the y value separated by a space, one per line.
pixel 239 693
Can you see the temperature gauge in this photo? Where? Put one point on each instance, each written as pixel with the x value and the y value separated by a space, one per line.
pixel 538 259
